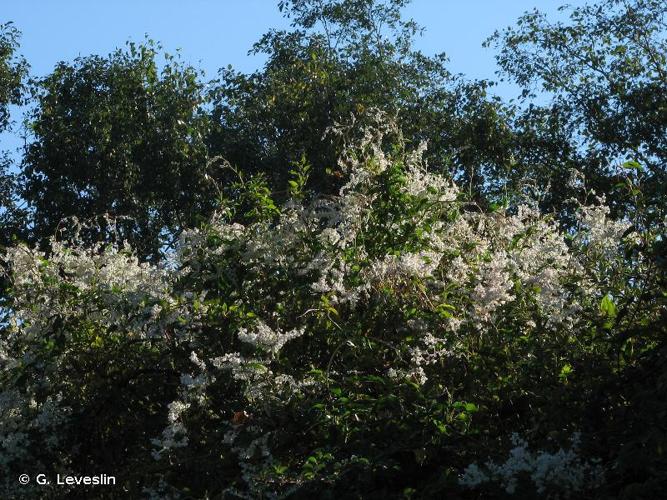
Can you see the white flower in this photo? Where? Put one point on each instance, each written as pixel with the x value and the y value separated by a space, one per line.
pixel 493 287
pixel 563 471
pixel 262 336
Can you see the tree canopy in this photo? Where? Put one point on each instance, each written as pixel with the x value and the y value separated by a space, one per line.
pixel 606 74
pixel 119 135
pixel 13 70
pixel 341 58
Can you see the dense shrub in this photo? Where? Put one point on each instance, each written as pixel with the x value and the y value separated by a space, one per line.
pixel 391 341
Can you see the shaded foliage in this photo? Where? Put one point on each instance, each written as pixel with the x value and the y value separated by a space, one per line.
pixel 122 136
pixel 13 70
pixel 343 57
pixel 606 74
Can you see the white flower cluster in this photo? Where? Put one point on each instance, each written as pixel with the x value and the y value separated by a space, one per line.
pixel 493 288
pixel 242 368
pixel 392 267
pixel 223 311
pixel 262 336
pixel 602 233
pixel 175 434
pixel 556 475
pixel 13 437
pixel 106 285
pixel 421 183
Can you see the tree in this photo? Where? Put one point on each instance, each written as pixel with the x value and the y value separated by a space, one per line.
pixel 12 72
pixel 122 136
pixel 342 58
pixel 12 211
pixel 605 71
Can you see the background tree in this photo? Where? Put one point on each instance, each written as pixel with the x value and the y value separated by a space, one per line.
pixel 119 135
pixel 341 58
pixel 122 136
pixel 13 70
pixel 605 71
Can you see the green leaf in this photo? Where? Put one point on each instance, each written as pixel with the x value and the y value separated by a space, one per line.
pixel 471 407
pixel 565 372
pixel 633 165
pixel 280 469
pixel 607 307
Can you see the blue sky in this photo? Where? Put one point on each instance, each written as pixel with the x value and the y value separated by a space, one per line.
pixel 214 33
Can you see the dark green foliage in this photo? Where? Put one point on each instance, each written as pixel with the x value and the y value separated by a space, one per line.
pixel 13 70
pixel 342 58
pixel 605 70
pixel 122 136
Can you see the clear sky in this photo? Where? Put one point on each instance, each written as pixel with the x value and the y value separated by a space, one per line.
pixel 214 33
